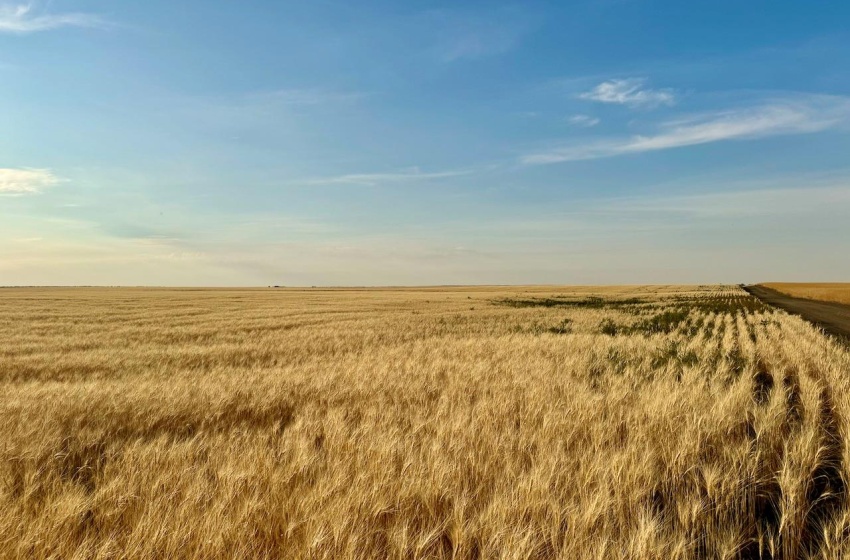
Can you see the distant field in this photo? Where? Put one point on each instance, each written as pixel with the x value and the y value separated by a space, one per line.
pixel 464 423
pixel 839 292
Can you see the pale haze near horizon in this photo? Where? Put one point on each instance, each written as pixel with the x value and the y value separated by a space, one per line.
pixel 304 143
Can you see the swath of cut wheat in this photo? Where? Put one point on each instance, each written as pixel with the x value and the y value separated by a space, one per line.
pixel 837 292
pixel 625 422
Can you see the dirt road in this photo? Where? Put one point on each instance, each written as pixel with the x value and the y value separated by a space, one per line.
pixel 834 318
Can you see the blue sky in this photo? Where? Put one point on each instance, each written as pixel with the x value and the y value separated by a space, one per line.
pixel 363 143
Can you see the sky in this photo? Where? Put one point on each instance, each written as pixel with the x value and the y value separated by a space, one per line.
pixel 255 143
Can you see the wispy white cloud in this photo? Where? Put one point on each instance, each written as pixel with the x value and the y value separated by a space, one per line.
pixel 583 120
pixel 629 92
pixel 373 179
pixel 25 181
pixel 25 18
pixel 777 118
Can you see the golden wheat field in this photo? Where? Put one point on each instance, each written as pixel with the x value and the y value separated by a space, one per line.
pixel 455 423
pixel 837 291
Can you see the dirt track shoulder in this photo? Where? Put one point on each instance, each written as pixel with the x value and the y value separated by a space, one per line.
pixel 833 317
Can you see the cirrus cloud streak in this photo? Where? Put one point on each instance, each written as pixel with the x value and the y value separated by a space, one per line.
pixel 22 18
pixel 781 117
pixel 629 92
pixel 374 179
